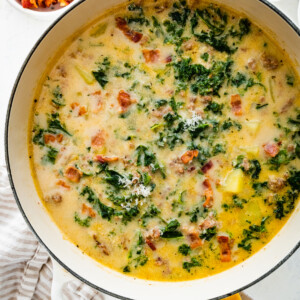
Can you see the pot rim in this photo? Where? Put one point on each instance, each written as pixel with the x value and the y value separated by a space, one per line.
pixel 62 264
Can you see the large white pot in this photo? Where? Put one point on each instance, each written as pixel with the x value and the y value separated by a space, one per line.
pixel 71 258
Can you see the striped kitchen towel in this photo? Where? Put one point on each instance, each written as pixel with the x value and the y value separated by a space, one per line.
pixel 25 265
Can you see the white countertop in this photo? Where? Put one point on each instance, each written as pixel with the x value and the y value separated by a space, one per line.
pixel 19 32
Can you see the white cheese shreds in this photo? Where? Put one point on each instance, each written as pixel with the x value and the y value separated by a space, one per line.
pixel 193 122
pixel 142 190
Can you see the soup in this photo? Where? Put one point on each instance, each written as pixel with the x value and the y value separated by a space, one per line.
pixel 164 139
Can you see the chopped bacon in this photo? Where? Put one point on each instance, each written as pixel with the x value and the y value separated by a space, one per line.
pixel 63 184
pixel 150 244
pixel 51 138
pixel 208 193
pixel 144 40
pixel 98 139
pixel 225 248
pixel 188 156
pixel 151 236
pixel 192 234
pixel 81 110
pixel 98 100
pixel 151 56
pixel 74 105
pixel 134 36
pixel 103 159
pixel 97 93
pixel 196 242
pixel 73 174
pixel 271 149
pixel 207 167
pixel 59 137
pixel 88 211
pixel 168 59
pixel 154 234
pixel 236 103
pixel 124 100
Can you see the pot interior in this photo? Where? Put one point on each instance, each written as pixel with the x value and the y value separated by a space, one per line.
pixel 64 251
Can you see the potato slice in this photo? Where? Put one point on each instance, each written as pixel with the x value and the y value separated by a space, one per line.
pixel 234 181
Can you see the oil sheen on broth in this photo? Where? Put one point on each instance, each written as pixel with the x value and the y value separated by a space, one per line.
pixel 165 139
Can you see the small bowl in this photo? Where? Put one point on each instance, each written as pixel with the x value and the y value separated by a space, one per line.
pixel 41 15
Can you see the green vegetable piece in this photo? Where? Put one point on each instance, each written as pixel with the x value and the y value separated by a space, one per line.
pixel 82 222
pixel 205 56
pixel 156 126
pixel 214 107
pixel 58 99
pixel 38 138
pixel 294 180
pixel 126 269
pixel 55 125
pixel 259 106
pixel 252 233
pixel 209 233
pixel 160 103
pixel 290 79
pixel 114 178
pixel 86 76
pixel 98 30
pixel 282 158
pixel 146 158
pixel 187 265
pixel 184 249
pixel 151 212
pixel 101 74
pixel 106 212
pixel 170 231
pixel 50 157
pixel 271 89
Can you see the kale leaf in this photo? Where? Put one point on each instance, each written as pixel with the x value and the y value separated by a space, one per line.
pixel 101 74
pixel 115 179
pixel 209 233
pixel 147 158
pixel 55 125
pixel 170 231
pixel 151 212
pixel 184 249
pixel 253 233
pixel 82 222
pixel 194 262
pixel 58 99
pixel 50 156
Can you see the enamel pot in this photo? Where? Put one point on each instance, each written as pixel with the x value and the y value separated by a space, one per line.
pixel 64 252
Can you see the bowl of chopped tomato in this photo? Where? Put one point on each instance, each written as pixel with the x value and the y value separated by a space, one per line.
pixel 42 9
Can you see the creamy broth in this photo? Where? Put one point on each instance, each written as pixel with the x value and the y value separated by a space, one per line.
pixel 165 142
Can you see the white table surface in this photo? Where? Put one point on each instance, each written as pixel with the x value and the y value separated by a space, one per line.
pixel 19 32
